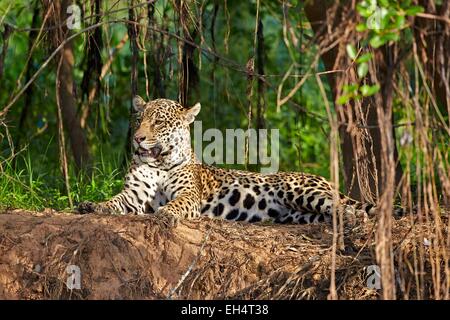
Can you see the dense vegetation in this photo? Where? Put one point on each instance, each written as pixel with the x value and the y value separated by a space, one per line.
pixel 33 179
pixel 211 44
pixel 359 90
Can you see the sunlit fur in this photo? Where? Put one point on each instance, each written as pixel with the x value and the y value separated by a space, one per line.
pixel 165 178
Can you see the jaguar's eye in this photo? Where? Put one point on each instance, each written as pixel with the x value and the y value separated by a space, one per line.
pixel 158 122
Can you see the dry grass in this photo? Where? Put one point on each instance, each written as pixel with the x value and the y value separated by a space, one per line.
pixel 135 258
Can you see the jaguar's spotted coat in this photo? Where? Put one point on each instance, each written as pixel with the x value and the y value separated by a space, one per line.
pixel 165 178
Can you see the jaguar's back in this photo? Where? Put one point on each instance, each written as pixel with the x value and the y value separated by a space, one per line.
pixel 165 178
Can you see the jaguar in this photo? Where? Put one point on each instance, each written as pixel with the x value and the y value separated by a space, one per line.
pixel 166 179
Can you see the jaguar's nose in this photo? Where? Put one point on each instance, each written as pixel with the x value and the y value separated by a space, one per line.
pixel 139 138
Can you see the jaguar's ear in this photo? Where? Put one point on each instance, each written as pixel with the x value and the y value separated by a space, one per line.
pixel 138 104
pixel 191 113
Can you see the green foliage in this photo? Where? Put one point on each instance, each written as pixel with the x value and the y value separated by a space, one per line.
pixel 384 21
pixel 34 180
pixel 38 188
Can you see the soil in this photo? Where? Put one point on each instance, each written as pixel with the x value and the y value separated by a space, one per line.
pixel 132 257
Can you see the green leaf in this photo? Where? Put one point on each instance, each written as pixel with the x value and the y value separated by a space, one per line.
pixel 405 4
pixel 350 88
pixel 367 90
pixel 364 12
pixel 351 51
pixel 377 41
pixel 391 36
pixel 399 22
pixel 378 20
pixel 364 58
pixel 343 99
pixel 413 10
pixel 361 27
pixel 372 5
pixel 363 68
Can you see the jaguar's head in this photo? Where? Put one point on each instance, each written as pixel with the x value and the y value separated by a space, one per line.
pixel 162 138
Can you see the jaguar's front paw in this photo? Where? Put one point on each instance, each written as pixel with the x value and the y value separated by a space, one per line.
pixel 167 217
pixel 86 207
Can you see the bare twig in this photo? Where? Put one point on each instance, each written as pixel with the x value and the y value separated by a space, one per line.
pixel 190 268
pixel 61 139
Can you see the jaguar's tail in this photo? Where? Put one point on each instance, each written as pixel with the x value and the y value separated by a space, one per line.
pixel 369 208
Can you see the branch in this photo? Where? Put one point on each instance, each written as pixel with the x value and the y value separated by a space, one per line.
pixel 44 65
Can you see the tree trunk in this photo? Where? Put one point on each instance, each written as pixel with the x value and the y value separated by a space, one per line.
pixel 29 72
pixel 260 61
pixel 157 47
pixel 188 74
pixel 5 40
pixel 132 34
pixel 66 94
pixel 91 81
pixel 433 40
pixel 354 137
